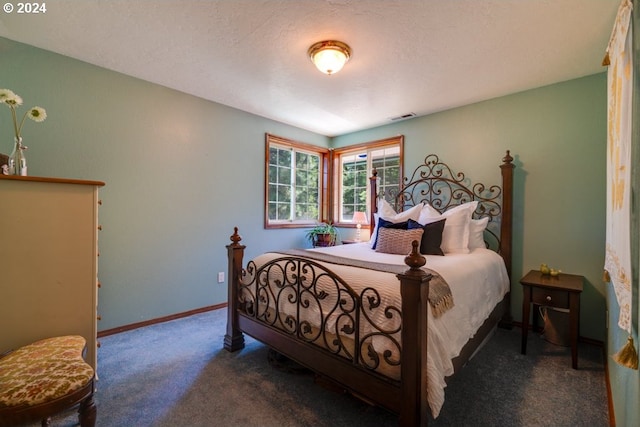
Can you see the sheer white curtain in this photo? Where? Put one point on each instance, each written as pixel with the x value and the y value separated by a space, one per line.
pixel 620 90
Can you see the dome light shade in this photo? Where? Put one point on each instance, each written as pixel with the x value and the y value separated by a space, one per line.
pixel 329 56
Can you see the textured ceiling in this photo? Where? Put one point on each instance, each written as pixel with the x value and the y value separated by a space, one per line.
pixel 409 56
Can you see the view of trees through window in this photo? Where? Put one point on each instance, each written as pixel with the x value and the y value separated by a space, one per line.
pixel 293 187
pixel 356 166
pixel 294 180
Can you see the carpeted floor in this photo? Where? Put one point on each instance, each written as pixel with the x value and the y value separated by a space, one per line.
pixel 177 374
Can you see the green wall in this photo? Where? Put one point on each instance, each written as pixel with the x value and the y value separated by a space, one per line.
pixel 557 135
pixel 180 173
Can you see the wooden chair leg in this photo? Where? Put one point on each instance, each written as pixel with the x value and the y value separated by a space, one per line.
pixel 87 412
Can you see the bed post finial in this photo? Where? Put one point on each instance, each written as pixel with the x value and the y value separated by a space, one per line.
pixel 235 237
pixel 507 159
pixel 415 260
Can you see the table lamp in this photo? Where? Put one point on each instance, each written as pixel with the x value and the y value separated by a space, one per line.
pixel 359 218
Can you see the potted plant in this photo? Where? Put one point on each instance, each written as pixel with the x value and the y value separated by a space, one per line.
pixel 323 234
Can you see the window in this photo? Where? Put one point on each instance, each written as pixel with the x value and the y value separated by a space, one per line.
pixel 354 165
pixel 294 183
pixel 297 181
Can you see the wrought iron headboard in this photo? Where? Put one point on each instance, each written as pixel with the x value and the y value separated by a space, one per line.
pixel 434 182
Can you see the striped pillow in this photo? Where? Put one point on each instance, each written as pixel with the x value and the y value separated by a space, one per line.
pixel 396 241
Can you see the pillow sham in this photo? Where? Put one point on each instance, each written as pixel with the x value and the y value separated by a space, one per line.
pixel 476 233
pixel 397 241
pixel 386 212
pixel 431 237
pixel 383 223
pixel 455 237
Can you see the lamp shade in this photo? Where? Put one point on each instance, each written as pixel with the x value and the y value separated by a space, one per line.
pixel 359 218
pixel 329 56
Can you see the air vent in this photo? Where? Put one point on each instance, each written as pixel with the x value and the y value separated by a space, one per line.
pixel 403 117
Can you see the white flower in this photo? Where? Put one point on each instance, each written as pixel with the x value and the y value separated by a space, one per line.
pixel 16 101
pixel 6 93
pixel 37 114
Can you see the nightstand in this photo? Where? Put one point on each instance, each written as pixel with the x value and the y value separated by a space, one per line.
pixel 562 291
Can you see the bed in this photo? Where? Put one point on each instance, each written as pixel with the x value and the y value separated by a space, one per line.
pixel 387 323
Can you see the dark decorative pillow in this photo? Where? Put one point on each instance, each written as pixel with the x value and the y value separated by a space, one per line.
pixel 396 241
pixel 431 238
pixel 383 223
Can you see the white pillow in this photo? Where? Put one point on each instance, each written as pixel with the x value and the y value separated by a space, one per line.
pixel 428 214
pixel 476 233
pixel 386 212
pixel 385 209
pixel 455 236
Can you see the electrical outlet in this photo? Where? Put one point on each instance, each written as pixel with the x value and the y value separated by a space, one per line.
pixel 221 277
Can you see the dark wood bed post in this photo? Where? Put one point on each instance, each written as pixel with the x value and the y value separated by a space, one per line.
pixel 506 228
pixel 373 202
pixel 506 225
pixel 414 288
pixel 234 338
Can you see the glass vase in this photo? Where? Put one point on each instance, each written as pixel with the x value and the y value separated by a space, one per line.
pixel 17 159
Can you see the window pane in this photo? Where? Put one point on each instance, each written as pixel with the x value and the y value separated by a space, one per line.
pixel 284 175
pixel 273 193
pixel 354 181
pixel 273 174
pixel 301 177
pixel 272 210
pixel 293 181
pixel 348 211
pixel 284 211
pixel 307 187
pixel 273 156
pixel 301 195
pixel 356 168
pixel 283 193
pixel 347 196
pixel 302 160
pixel 314 163
pixel 284 158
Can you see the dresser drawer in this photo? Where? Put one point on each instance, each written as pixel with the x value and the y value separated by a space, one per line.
pixel 552 298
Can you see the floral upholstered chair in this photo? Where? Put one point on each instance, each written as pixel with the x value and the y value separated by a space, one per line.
pixel 44 378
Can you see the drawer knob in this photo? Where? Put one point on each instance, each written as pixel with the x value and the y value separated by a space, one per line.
pixel 549 298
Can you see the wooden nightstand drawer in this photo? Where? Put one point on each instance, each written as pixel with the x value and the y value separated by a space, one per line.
pixel 552 298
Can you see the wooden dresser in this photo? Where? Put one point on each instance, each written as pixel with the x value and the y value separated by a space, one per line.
pixel 48 260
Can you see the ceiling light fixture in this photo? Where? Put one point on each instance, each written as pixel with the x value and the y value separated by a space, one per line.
pixel 329 56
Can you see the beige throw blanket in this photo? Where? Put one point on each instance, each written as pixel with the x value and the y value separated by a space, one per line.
pixel 440 297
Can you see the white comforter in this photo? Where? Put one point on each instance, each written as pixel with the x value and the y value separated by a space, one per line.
pixel 478 281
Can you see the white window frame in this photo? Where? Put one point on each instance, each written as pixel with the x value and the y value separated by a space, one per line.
pixel 295 147
pixel 366 149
